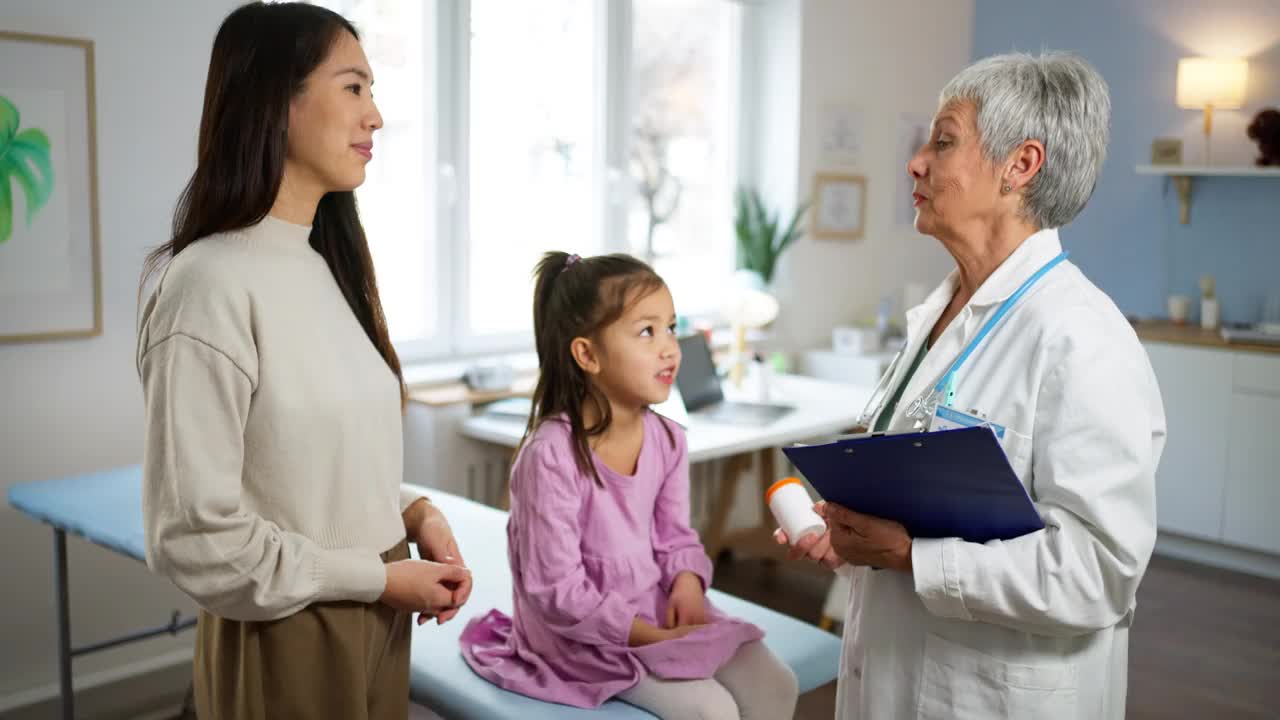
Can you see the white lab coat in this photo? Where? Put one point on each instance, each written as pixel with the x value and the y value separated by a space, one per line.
pixel 1035 627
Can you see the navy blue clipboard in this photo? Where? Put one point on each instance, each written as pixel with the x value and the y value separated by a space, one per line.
pixel 951 483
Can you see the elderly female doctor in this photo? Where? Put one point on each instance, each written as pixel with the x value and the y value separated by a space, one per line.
pixel 1035 627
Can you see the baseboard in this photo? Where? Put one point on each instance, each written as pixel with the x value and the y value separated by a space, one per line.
pixel 1218 555
pixel 150 688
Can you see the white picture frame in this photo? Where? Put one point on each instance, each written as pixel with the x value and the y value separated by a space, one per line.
pixel 841 135
pixel 50 277
pixel 839 206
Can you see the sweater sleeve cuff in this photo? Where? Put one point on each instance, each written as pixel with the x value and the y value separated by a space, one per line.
pixel 691 559
pixel 358 575
pixel 936 569
pixel 408 496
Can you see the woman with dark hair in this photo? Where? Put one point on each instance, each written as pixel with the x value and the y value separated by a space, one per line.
pixel 273 459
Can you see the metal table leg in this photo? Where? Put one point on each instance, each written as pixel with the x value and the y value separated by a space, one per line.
pixel 63 610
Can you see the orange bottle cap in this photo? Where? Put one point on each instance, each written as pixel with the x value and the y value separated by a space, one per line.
pixel 768 494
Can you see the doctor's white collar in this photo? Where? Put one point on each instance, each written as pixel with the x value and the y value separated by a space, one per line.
pixel 1039 248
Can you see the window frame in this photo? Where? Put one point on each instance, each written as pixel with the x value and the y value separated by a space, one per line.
pixel 450 22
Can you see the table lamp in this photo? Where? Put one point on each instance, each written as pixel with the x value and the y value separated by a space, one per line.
pixel 745 308
pixel 1209 83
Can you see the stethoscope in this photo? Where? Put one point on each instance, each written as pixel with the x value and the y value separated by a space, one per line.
pixel 921 409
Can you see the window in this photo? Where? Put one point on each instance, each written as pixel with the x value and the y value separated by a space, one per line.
pixel 683 145
pixel 396 202
pixel 515 127
pixel 534 144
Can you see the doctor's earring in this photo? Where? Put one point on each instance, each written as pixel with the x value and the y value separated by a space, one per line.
pixel 1006 188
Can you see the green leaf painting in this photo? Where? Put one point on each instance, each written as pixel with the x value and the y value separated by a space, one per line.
pixel 24 156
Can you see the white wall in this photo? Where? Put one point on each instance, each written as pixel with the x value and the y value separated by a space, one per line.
pixel 884 58
pixel 76 406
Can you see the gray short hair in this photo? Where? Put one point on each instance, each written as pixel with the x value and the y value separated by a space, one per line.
pixel 1056 98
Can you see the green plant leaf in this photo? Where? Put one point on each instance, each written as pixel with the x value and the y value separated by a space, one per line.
pixel 33 138
pixel 24 157
pixel 9 121
pixel 741 219
pixel 31 164
pixel 760 236
pixel 742 226
pixel 751 249
pixel 793 232
pixel 760 217
pixel 760 243
pixel 6 205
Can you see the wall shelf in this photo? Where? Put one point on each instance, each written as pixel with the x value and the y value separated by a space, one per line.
pixel 1181 175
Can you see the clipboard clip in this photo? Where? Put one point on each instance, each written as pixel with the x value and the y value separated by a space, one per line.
pixel 856 436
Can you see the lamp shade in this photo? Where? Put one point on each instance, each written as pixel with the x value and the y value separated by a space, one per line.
pixel 745 307
pixel 1215 82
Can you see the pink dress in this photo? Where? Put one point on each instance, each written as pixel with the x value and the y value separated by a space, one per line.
pixel 587 560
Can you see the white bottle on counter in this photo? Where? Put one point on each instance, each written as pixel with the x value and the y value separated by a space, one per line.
pixel 1209 310
pixel 1209 319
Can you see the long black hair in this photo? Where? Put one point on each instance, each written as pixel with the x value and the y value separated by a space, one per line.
pixel 578 297
pixel 261 58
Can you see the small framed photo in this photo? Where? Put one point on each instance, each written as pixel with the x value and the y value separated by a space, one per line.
pixel 839 206
pixel 50 286
pixel 1166 151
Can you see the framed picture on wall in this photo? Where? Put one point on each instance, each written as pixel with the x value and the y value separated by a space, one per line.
pixel 839 206
pixel 50 283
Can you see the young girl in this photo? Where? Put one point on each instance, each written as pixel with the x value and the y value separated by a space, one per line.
pixel 610 581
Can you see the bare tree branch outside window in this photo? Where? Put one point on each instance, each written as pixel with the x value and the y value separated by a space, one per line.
pixel 671 67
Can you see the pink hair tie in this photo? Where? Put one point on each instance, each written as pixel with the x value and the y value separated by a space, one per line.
pixel 569 261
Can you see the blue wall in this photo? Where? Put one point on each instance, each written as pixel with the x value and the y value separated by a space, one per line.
pixel 1128 240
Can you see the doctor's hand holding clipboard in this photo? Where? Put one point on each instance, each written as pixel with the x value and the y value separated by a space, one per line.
pixel 881 491
pixel 957 485
pixel 853 538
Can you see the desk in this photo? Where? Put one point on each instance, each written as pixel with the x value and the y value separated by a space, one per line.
pixel 106 508
pixel 456 393
pixel 822 408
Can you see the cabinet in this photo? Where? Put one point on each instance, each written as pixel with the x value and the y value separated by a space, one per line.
pixel 839 367
pixel 1253 473
pixel 1219 476
pixel 1191 480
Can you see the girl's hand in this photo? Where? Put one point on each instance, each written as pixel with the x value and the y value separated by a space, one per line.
pixel 687 604
pixel 679 632
pixel 429 588
pixel 642 633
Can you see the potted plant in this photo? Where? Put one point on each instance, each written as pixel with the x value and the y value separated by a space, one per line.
pixel 761 239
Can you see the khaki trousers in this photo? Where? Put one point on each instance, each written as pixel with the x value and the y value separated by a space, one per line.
pixel 343 660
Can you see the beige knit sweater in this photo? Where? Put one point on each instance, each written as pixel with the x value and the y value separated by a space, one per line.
pixel 273 456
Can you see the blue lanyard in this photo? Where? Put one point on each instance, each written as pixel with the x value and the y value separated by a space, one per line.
pixel 947 384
